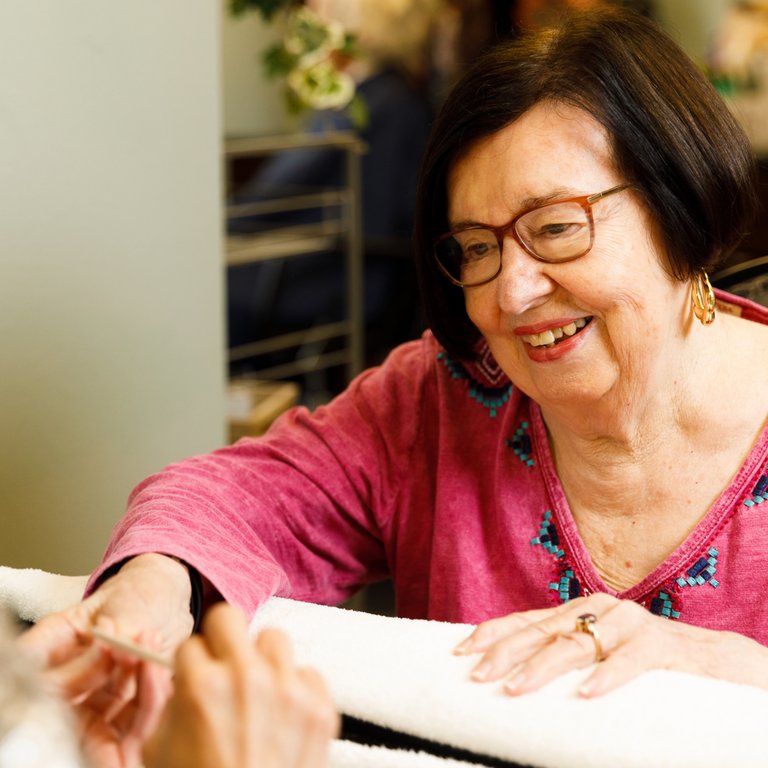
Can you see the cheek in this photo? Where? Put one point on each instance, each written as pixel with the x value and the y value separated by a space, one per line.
pixel 481 305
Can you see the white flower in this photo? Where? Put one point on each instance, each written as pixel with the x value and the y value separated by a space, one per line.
pixel 322 86
pixel 311 37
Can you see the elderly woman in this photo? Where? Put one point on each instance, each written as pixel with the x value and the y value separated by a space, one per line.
pixel 575 457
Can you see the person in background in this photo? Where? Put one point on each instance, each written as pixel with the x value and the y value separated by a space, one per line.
pixel 575 456
pixel 234 701
pixel 391 74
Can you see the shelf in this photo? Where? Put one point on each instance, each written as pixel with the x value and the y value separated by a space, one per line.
pixel 287 340
pixel 247 146
pixel 338 230
pixel 282 243
pixel 289 202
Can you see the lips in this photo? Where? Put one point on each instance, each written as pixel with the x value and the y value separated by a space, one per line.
pixel 552 336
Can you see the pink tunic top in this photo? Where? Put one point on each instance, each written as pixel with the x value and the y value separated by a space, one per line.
pixel 439 474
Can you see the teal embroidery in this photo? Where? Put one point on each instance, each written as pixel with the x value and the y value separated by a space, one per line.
pixel 567 586
pixel 759 492
pixel 667 602
pixel 492 398
pixel 521 444
pixel 701 572
pixel 548 536
pixel 664 605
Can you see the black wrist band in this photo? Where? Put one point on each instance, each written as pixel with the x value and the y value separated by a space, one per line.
pixel 196 598
pixel 195 581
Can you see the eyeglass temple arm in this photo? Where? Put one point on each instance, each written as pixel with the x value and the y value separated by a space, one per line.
pixel 600 195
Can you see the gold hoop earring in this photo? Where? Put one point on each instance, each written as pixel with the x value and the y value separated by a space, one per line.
pixel 703 298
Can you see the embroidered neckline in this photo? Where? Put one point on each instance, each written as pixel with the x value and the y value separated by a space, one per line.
pixel 695 546
pixel 664 601
pixel 491 397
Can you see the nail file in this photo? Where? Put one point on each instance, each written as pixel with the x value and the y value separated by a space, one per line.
pixel 132 648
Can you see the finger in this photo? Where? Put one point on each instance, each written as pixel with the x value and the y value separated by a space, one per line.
pixel 646 642
pixel 489 632
pixel 80 676
pixel 619 668
pixel 324 723
pixel 191 663
pixel 274 646
pixel 153 691
pixel 287 705
pixel 121 690
pixel 329 721
pixel 564 654
pixel 56 638
pixel 508 654
pixel 303 719
pixel 226 632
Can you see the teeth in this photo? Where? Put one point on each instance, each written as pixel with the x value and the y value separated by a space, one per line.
pixel 547 338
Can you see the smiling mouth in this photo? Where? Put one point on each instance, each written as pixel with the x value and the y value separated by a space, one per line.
pixel 552 336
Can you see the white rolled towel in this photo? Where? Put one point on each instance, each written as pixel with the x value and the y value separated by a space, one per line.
pixel 30 593
pixel 401 674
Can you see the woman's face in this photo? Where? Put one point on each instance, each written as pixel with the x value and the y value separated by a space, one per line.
pixel 625 306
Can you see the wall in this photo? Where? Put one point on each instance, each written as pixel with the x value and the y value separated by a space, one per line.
pixel 252 105
pixel 692 23
pixel 111 322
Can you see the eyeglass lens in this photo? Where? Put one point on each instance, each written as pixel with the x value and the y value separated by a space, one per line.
pixel 556 232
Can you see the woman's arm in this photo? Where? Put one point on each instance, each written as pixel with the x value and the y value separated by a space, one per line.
pixel 300 512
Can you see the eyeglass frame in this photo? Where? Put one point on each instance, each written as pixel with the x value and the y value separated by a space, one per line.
pixel 585 201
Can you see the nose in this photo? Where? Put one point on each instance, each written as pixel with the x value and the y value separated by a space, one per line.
pixel 524 282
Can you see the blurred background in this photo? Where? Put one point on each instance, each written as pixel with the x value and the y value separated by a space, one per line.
pixel 193 240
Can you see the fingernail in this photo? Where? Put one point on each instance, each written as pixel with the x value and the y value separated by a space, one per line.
pixel 463 647
pixel 587 688
pixel 513 684
pixel 481 671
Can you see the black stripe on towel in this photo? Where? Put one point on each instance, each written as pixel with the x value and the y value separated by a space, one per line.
pixel 363 732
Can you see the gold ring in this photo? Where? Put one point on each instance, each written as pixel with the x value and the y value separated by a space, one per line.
pixel 587 623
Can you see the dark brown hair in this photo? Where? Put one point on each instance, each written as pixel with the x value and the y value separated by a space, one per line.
pixel 672 136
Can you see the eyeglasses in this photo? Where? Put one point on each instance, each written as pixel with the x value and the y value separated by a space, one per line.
pixel 554 232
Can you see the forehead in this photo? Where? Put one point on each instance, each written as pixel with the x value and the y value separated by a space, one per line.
pixel 552 150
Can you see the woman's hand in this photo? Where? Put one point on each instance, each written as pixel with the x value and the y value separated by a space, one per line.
pixel 149 593
pixel 113 736
pixel 529 649
pixel 241 703
pixel 117 699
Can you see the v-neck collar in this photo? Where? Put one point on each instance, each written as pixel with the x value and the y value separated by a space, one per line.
pixel 682 558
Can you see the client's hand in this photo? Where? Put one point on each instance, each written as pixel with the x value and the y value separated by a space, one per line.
pixel 241 703
pixel 116 698
pixel 529 649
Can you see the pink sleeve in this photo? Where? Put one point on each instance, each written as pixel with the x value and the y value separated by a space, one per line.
pixel 303 511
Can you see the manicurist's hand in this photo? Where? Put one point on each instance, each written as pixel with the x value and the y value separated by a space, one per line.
pixel 242 703
pixel 115 697
pixel 529 649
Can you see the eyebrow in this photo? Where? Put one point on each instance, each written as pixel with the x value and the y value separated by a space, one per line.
pixel 525 204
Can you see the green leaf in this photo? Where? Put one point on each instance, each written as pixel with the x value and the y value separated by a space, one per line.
pixel 267 8
pixel 277 61
pixel 350 46
pixel 358 112
pixel 293 103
